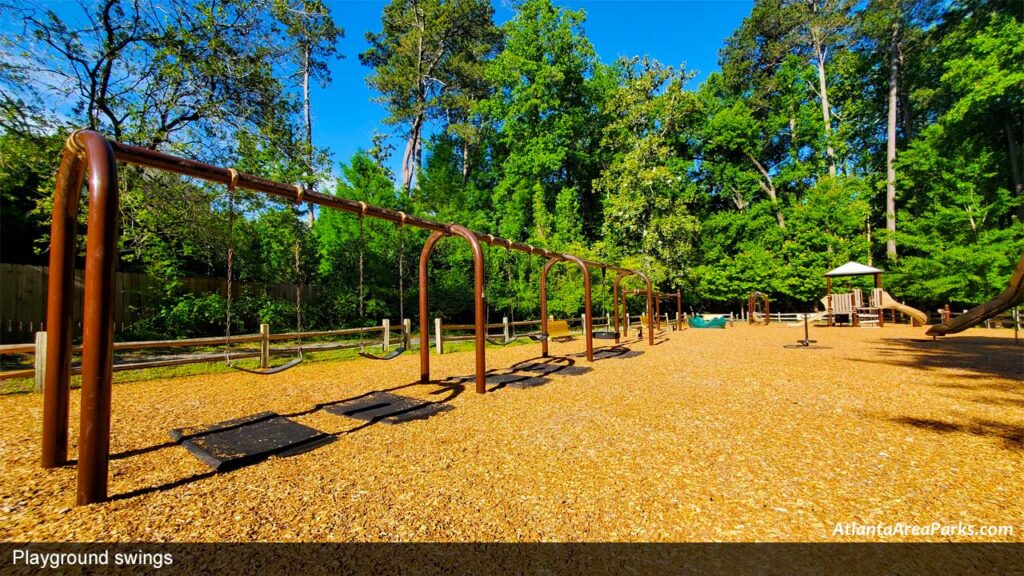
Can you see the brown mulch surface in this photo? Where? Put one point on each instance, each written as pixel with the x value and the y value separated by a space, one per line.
pixel 710 435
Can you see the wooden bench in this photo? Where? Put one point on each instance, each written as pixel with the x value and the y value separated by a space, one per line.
pixel 559 330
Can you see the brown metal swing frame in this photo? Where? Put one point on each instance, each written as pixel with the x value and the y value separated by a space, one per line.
pixel 752 302
pixel 88 153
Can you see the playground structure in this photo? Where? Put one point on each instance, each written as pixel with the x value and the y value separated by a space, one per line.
pixel 658 297
pixel 701 322
pixel 854 309
pixel 758 308
pixel 89 153
pixel 1012 296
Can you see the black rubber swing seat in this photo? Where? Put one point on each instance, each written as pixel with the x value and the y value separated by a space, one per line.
pixel 501 341
pixel 268 371
pixel 540 337
pixel 605 334
pixel 389 356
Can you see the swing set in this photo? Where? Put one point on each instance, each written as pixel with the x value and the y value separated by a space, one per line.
pixel 88 153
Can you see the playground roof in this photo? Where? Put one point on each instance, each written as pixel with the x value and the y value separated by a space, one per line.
pixel 853 269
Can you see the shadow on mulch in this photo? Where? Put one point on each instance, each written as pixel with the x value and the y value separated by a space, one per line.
pixel 984 355
pixel 525 374
pixel 1011 435
pixel 449 389
pixel 528 373
pixel 980 358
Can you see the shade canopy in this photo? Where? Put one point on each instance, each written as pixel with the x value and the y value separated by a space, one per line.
pixel 853 269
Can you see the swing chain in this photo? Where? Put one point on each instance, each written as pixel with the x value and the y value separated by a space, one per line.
pixel 232 184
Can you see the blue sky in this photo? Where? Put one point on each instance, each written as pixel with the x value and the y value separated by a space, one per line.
pixel 674 32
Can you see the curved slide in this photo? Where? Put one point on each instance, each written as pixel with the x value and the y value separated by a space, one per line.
pixel 890 303
pixel 1012 296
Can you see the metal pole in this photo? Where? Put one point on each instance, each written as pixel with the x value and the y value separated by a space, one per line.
pixel 59 305
pixel 428 247
pixel 544 303
pixel 481 312
pixel 478 298
pixel 615 303
pixel 588 324
pixel 98 323
pixel 650 317
pixel 828 300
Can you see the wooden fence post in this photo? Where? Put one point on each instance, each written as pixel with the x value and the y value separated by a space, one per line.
pixel 626 331
pixel 504 325
pixel 40 360
pixel 406 331
pixel 264 345
pixel 437 336
pixel 386 323
pixel 583 323
pixel 679 322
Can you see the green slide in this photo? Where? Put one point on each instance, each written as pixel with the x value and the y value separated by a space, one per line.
pixel 699 322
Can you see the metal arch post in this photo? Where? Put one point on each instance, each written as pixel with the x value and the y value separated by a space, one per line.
pixel 428 248
pixel 85 150
pixel 544 302
pixel 650 306
pixel 60 304
pixel 588 327
pixel 478 301
pixel 615 302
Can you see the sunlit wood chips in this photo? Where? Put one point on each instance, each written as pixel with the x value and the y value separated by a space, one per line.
pixel 710 435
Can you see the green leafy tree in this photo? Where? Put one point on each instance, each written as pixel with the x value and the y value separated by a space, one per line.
pixel 646 185
pixel 425 64
pixel 547 122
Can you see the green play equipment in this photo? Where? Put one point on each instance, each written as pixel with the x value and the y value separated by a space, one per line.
pixel 699 322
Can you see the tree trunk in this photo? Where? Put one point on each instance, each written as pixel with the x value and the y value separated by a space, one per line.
pixel 465 160
pixel 792 133
pixel 1018 182
pixel 411 158
pixel 768 185
pixel 826 114
pixel 870 259
pixel 309 124
pixel 904 106
pixel 890 148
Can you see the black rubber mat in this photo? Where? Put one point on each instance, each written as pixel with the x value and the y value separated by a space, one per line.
pixel 387 407
pixel 236 443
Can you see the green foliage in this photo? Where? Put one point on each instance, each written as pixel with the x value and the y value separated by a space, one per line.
pixel 646 186
pixel 745 183
pixel 546 128
pixel 428 64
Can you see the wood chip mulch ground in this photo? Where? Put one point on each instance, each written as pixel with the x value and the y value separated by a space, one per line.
pixel 724 435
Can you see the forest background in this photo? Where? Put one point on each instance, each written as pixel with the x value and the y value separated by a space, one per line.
pixel 888 132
